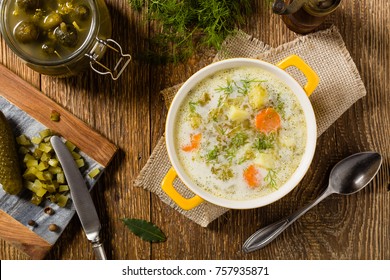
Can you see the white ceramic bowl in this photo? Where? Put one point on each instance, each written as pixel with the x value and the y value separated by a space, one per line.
pixel 302 95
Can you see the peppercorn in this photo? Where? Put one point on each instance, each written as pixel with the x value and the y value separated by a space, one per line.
pixel 53 227
pixel 31 223
pixel 48 210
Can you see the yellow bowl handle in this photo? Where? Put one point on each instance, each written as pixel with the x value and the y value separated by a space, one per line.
pixel 169 189
pixel 311 75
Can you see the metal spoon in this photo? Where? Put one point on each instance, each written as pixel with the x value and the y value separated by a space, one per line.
pixel 348 176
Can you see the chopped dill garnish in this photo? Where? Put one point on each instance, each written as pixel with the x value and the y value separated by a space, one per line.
pixel 264 141
pixel 239 139
pixel 230 153
pixel 213 154
pixel 279 107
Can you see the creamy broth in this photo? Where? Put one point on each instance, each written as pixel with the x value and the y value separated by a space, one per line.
pixel 240 134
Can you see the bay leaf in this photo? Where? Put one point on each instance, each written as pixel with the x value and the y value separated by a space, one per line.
pixel 145 230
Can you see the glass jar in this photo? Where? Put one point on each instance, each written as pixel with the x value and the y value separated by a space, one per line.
pixel 90 48
pixel 304 16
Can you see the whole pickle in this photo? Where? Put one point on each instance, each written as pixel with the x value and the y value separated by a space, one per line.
pixel 10 174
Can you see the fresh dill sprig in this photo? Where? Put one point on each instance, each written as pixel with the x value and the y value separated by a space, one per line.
pixel 228 89
pixel 246 85
pixel 186 24
pixel 271 178
pixel 137 4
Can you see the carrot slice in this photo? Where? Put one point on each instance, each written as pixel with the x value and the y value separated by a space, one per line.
pixel 252 176
pixel 194 143
pixel 267 120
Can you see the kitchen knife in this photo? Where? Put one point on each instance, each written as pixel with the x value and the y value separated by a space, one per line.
pixel 80 196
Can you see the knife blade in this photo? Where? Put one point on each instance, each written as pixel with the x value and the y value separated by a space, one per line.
pixel 81 197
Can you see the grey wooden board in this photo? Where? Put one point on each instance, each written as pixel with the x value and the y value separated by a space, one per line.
pixel 18 206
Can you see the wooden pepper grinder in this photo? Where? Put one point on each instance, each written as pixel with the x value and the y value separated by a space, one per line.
pixel 303 16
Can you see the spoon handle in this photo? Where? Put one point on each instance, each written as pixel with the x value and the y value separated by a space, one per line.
pixel 267 234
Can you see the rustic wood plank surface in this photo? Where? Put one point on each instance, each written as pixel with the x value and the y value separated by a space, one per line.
pixel 131 113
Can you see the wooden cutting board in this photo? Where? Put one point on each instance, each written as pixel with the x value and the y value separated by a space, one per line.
pixel 28 109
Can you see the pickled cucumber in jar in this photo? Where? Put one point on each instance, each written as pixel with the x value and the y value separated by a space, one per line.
pixel 50 30
pixel 10 174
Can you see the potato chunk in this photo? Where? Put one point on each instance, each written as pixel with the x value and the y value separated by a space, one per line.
pixel 265 160
pixel 236 114
pixel 258 97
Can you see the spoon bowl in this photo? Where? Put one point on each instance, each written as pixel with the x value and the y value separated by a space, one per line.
pixel 354 172
pixel 348 176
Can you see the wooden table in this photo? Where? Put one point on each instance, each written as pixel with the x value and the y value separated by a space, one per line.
pixel 131 113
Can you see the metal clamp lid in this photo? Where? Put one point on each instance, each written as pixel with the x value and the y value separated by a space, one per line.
pixel 97 52
pixel 319 7
pixel 281 8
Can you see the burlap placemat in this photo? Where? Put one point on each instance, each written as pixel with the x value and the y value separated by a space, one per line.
pixel 340 86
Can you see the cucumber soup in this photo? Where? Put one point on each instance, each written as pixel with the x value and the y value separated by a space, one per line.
pixel 240 133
